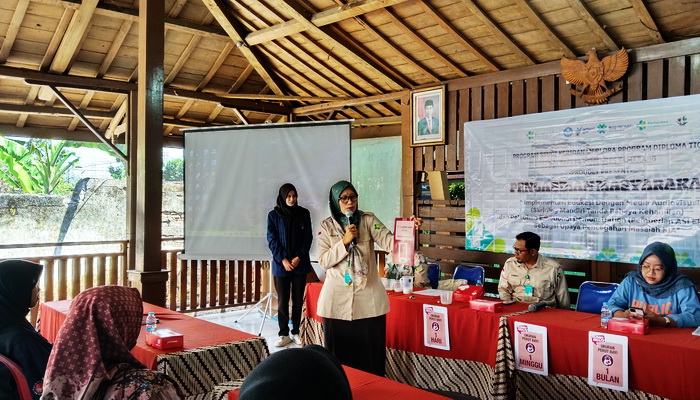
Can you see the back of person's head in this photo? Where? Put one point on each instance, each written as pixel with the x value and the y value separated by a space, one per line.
pixel 308 373
pixel 102 327
pixel 17 279
pixel 532 240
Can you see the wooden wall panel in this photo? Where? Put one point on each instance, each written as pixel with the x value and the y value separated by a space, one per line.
pixel 532 96
pixel 503 94
pixel 548 93
pixel 464 106
pixel 564 97
pixel 655 79
pixel 453 131
pixel 694 67
pixel 517 98
pixel 489 102
pixel 676 76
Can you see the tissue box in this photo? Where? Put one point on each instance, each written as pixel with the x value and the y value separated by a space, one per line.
pixel 466 293
pixel 486 305
pixel 629 325
pixel 164 339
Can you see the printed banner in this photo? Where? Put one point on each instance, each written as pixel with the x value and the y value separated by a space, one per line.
pixel 607 361
pixel 595 183
pixel 436 331
pixel 531 351
pixel 404 241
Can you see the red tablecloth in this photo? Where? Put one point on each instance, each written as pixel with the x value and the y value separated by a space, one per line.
pixel 197 332
pixel 366 386
pixel 473 334
pixel 664 362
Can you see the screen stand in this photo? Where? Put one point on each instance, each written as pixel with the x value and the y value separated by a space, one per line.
pixel 267 310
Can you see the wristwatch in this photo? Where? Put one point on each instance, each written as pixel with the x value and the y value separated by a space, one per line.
pixel 668 322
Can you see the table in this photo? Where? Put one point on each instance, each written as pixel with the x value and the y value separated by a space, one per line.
pixel 476 338
pixel 366 386
pixel 663 363
pixel 211 354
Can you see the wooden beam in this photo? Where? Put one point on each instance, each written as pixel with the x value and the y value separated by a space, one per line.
pixel 326 17
pixel 408 31
pixel 593 23
pixel 56 38
pixel 75 33
pixel 321 108
pixel 256 96
pixel 337 46
pixel 182 59
pixel 530 13
pixel 498 32
pixel 456 35
pixel 217 64
pixel 404 55
pixel 50 111
pixel 395 120
pixel 88 124
pixel 11 33
pixel 219 9
pixel 114 48
pixel 647 20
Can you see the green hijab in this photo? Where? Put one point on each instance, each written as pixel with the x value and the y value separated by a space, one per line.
pixel 333 202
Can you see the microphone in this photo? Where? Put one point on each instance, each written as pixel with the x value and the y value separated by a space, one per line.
pixel 536 307
pixel 348 214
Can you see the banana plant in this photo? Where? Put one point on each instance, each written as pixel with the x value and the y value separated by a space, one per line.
pixel 36 166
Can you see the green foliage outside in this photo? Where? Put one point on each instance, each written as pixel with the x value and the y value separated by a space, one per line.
pixel 36 165
pixel 456 191
pixel 174 170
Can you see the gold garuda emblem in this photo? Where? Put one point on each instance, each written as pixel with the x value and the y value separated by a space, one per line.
pixel 594 73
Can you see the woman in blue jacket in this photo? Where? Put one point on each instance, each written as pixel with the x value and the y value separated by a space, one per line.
pixel 667 298
pixel 289 238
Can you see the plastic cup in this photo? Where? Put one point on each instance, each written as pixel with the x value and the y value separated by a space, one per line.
pixel 407 284
pixel 446 297
pixel 388 283
pixel 397 286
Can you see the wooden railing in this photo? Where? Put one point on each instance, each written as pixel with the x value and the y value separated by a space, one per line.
pixel 193 285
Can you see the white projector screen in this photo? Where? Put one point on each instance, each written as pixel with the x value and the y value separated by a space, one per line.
pixel 233 175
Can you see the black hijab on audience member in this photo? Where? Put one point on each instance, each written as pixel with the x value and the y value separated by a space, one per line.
pixel 308 373
pixel 294 213
pixel 17 279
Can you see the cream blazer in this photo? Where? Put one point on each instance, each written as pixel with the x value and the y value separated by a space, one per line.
pixel 349 303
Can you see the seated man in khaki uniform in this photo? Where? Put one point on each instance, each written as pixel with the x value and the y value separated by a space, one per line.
pixel 531 278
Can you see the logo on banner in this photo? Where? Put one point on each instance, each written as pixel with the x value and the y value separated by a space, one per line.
pixel 568 131
pixel 642 125
pixel 602 128
pixel 598 339
pixel 530 135
pixel 682 121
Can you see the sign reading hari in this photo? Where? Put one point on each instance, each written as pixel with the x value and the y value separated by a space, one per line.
pixel 594 73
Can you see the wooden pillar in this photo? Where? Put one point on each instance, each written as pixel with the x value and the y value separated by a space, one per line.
pixel 408 189
pixel 131 169
pixel 147 275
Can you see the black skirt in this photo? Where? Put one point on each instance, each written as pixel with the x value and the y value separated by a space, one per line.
pixel 360 344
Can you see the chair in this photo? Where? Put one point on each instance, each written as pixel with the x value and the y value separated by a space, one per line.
pixel 472 275
pixel 433 275
pixel 592 295
pixel 18 377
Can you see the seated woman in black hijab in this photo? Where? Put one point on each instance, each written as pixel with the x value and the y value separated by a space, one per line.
pixel 19 341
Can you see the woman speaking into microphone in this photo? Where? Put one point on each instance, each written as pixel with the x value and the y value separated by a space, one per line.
pixel 353 301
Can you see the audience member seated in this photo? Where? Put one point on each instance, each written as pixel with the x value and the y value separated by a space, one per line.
pixel 91 357
pixel 667 298
pixel 308 373
pixel 19 341
pixel 529 277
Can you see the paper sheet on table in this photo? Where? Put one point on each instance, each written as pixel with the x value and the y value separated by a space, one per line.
pixel 429 292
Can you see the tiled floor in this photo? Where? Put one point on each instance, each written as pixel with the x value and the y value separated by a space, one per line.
pixel 250 323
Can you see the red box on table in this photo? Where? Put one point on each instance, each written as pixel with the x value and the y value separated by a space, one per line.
pixel 637 326
pixel 486 305
pixel 466 293
pixel 164 339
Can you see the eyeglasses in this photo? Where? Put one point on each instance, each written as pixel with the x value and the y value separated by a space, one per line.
pixel 518 251
pixel 345 199
pixel 649 268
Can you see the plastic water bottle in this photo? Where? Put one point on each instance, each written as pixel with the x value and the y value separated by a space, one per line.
pixel 605 315
pixel 478 282
pixel 151 322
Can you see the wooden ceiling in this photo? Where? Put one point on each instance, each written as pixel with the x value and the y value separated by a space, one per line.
pixel 232 62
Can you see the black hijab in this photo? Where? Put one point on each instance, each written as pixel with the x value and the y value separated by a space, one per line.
pixel 17 279
pixel 308 373
pixel 294 214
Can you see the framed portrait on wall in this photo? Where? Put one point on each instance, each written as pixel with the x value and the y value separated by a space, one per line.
pixel 428 116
